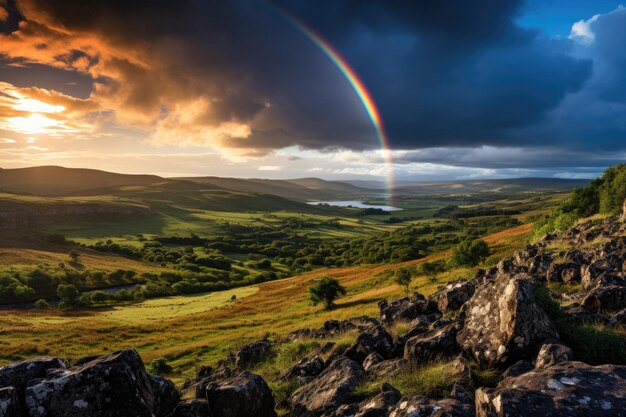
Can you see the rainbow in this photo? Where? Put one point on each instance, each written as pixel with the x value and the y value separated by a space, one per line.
pixel 359 88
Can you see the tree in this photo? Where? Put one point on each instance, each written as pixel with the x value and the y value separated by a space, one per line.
pixel 326 291
pixel 69 295
pixel 469 253
pixel 74 255
pixel 432 269
pixel 41 304
pixel 403 278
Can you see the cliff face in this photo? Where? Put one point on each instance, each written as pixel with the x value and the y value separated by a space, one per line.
pixel 20 216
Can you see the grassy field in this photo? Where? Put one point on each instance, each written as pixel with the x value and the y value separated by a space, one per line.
pixel 190 331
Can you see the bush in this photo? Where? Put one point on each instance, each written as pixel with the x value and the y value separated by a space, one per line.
pixel 469 253
pixel 432 269
pixel 69 295
pixel 41 304
pixel 159 367
pixel 403 277
pixel 326 291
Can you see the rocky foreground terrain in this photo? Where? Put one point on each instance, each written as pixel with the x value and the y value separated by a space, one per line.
pixel 506 319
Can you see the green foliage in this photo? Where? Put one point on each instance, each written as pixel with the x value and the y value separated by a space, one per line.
pixel 432 269
pixel 41 304
pixel 469 253
pixel 326 291
pixel 69 294
pixel 403 277
pixel 603 195
pixel 159 367
pixel 594 344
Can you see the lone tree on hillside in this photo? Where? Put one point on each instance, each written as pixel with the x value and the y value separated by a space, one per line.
pixel 469 253
pixel 432 269
pixel 403 278
pixel 326 291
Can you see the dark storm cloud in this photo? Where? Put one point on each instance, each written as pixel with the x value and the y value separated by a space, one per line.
pixel 443 73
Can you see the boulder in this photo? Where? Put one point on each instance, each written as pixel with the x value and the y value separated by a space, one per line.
pixel 372 360
pixel 116 385
pixel 404 309
pixel 386 368
pixel 206 375
pixel 192 408
pixel 612 297
pixel 619 318
pixel 381 404
pixel 436 343
pixel 9 403
pixel 503 322
pixel 244 395
pixel 306 368
pixel 518 368
pixel 374 339
pixel 19 373
pixel 166 396
pixel 569 389
pixel 329 391
pixel 552 353
pixel 420 406
pixel 252 354
pixel 570 275
pixel 452 296
pixel 591 274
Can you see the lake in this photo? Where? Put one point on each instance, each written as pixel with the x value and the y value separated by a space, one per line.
pixel 354 203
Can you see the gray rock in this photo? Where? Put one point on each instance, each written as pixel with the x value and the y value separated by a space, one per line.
pixel 372 360
pixel 553 353
pixel 329 391
pixel 9 403
pixel 420 406
pixel 569 389
pixel 434 344
pixel 245 395
pixel 619 318
pixel 387 368
pixel 518 368
pixel 252 354
pixel 374 339
pixel 381 404
pixel 404 309
pixel 503 322
pixel 116 385
pixel 612 297
pixel 192 408
pixel 19 373
pixel 306 368
pixel 452 296
pixel 166 396
pixel 591 274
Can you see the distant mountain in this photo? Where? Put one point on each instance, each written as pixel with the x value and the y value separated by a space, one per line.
pixel 59 181
pixel 489 185
pixel 301 189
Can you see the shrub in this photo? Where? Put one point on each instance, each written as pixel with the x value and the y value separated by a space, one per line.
pixel 403 277
pixel 432 269
pixel 159 367
pixel 469 253
pixel 41 304
pixel 326 291
pixel 69 295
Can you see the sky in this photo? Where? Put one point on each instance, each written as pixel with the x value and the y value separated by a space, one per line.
pixel 456 89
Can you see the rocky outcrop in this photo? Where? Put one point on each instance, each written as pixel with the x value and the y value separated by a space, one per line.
pixel 373 340
pixel 252 354
pixel 420 406
pixel 329 391
pixel 192 408
pixel 453 295
pixel 19 373
pixel 9 403
pixel 569 389
pixel 378 406
pixel 611 297
pixel 553 353
pixel 503 322
pixel 116 385
pixel 244 395
pixel 305 369
pixel 434 344
pixel 404 309
pixel 333 328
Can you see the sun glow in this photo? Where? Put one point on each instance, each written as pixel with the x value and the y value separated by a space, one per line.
pixel 36 106
pixel 33 124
